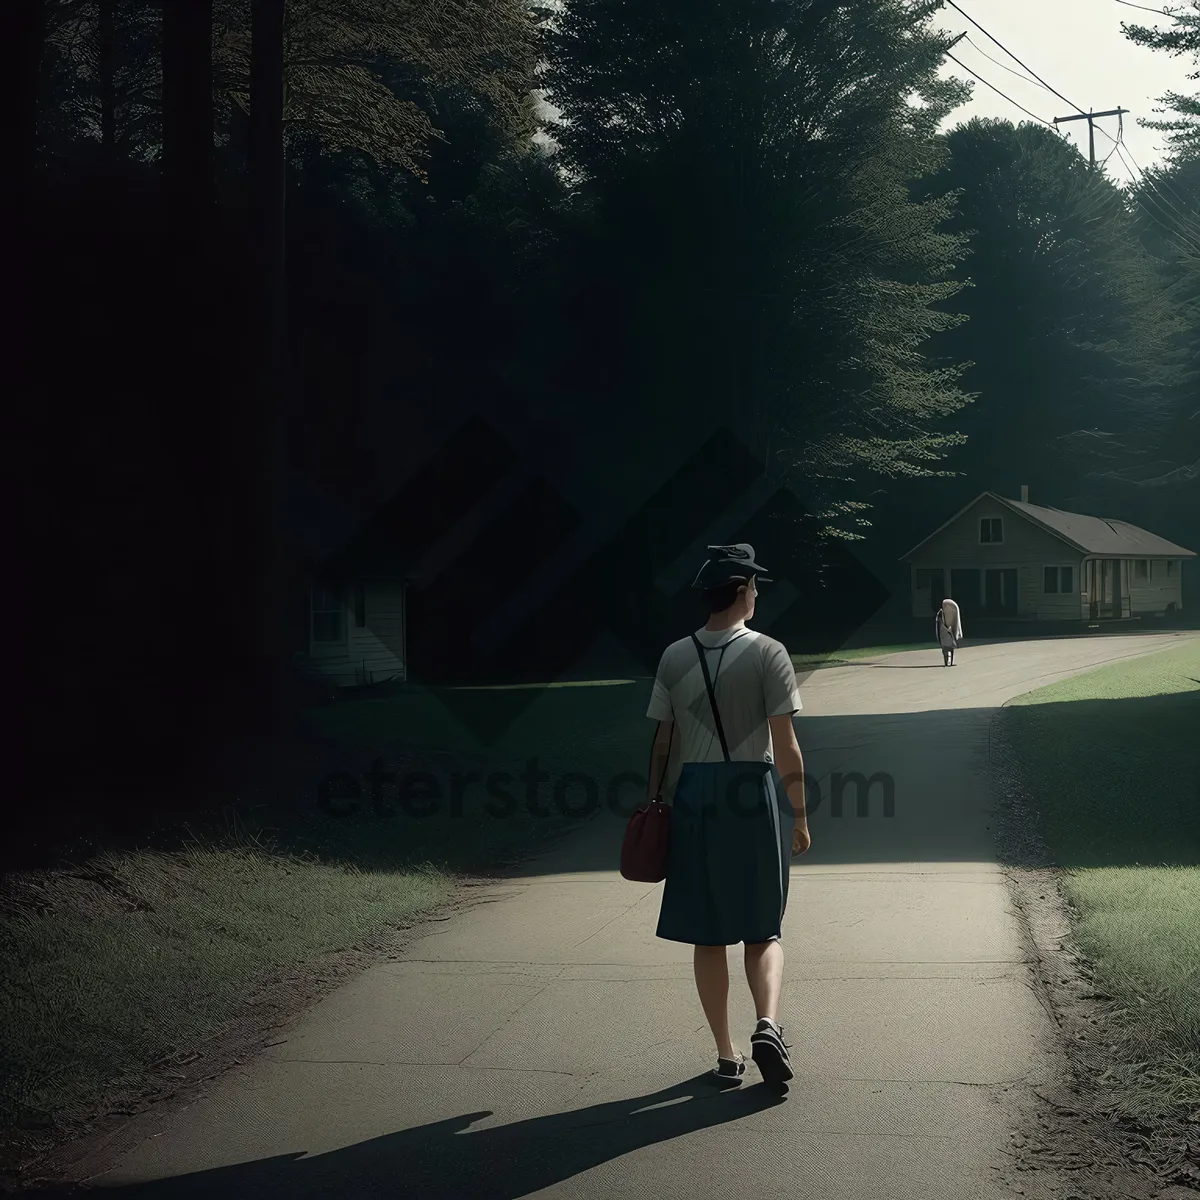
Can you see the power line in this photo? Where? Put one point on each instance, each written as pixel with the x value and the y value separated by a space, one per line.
pixel 1148 184
pixel 1161 184
pixel 1180 224
pixel 1181 227
pixel 1130 4
pixel 999 92
pixel 1091 118
pixel 1014 57
pixel 1001 65
pixel 1116 144
pixel 1158 186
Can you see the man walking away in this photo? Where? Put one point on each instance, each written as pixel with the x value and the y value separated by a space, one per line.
pixel 726 697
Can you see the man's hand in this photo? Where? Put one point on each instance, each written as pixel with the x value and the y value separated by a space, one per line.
pixel 800 840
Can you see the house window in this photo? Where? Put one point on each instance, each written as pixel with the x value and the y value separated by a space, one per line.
pixel 360 606
pixel 1058 580
pixel 991 530
pixel 328 614
pixel 1170 567
pixel 930 583
pixel 1141 570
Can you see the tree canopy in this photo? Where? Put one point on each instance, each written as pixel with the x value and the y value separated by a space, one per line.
pixel 752 251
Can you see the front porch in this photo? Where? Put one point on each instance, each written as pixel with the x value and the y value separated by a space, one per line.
pixel 1106 590
pixel 1010 592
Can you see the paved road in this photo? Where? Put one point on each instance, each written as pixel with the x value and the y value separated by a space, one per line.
pixel 545 1042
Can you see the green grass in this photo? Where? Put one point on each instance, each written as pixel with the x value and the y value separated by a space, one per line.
pixel 1112 764
pixel 94 995
pixel 96 992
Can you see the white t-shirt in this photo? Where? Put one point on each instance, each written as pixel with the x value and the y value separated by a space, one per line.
pixel 753 679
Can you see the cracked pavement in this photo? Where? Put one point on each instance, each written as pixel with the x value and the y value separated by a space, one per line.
pixel 545 1042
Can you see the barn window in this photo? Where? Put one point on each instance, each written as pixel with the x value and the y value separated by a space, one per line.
pixel 328 613
pixel 1050 580
pixel 991 530
pixel 1141 569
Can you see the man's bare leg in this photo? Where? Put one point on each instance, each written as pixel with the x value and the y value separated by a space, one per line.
pixel 711 964
pixel 764 973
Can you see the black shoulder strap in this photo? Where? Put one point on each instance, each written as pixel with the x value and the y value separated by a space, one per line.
pixel 666 763
pixel 712 699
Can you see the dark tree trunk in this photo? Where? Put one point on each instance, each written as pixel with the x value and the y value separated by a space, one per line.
pixel 193 608
pixel 267 170
pixel 267 202
pixel 25 32
pixel 188 109
pixel 106 69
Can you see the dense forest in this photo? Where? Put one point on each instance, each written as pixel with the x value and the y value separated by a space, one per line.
pixel 270 253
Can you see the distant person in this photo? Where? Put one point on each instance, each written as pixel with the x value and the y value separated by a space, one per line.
pixel 734 825
pixel 948 626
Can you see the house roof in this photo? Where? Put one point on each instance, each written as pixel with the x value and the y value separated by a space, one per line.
pixel 1100 535
pixel 1089 535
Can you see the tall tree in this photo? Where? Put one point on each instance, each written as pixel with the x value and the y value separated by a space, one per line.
pixel 1072 333
pixel 749 250
pixel 1168 201
pixel 103 90
pixel 365 76
pixel 1182 38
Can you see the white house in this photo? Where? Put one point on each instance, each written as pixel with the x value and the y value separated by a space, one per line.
pixel 1015 560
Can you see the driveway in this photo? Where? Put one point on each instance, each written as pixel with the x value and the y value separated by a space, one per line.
pixel 545 1042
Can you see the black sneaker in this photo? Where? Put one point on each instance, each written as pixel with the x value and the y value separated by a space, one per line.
pixel 729 1070
pixel 770 1053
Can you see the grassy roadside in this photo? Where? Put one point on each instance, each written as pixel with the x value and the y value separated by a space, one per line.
pixel 1111 765
pixel 99 988
pixel 114 964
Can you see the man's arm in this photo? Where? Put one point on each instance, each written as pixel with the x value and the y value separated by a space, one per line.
pixel 790 764
pixel 660 753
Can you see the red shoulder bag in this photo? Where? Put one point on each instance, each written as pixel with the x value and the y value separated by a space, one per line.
pixel 647 836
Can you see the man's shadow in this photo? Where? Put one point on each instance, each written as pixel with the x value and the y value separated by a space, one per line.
pixel 445 1160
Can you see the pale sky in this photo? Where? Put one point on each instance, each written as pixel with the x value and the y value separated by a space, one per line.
pixel 1078 48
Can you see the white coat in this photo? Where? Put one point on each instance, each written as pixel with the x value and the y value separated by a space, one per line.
pixel 950 626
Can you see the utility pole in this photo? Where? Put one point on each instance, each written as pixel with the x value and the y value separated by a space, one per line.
pixel 957 40
pixel 1090 117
